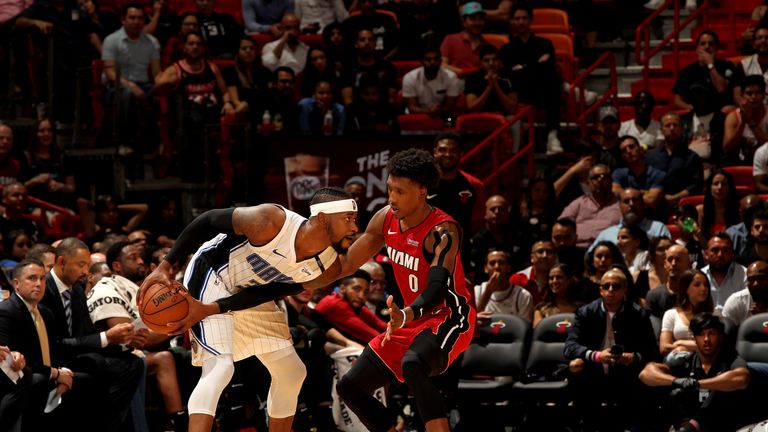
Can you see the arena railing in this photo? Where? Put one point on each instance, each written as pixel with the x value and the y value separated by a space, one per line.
pixel 577 106
pixel 55 221
pixel 644 52
pixel 498 143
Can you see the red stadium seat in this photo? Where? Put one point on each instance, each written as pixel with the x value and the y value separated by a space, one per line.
pixel 497 40
pixel 742 176
pixel 693 200
pixel 674 230
pixel 566 59
pixel 312 40
pixel 479 122
pixel 420 122
pixel 549 20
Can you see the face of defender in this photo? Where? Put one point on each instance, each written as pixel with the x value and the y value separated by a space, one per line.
pixel 405 196
pixel 342 228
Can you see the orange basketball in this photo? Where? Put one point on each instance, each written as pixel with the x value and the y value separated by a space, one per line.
pixel 164 304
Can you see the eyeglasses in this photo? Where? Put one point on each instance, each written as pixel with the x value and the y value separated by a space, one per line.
pixel 613 286
pixel 599 177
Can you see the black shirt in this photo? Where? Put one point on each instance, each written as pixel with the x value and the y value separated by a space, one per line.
pixel 457 198
pixel 384 70
pixel 221 33
pixel 383 27
pixel 683 168
pixel 534 73
pixel 476 85
pixel 695 73
pixel 659 300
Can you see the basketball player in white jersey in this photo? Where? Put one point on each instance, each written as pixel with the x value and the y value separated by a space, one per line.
pixel 252 247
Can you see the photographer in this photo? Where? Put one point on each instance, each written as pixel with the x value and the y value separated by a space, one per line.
pixel 705 385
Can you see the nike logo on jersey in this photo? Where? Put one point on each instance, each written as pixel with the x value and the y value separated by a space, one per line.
pixel 274 251
pixel 390 232
pixel 431 196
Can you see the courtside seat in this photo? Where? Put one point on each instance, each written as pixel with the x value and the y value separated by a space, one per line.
pixel 495 359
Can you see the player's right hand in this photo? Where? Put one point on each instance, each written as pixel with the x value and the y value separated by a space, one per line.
pixel 395 319
pixel 197 311
pixel 161 275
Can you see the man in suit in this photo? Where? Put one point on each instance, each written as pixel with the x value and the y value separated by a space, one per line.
pixel 100 354
pixel 24 327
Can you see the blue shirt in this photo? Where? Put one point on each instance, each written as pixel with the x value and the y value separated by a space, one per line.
pixel 652 178
pixel 311 119
pixel 652 228
pixel 683 168
pixel 260 15
pixel 132 56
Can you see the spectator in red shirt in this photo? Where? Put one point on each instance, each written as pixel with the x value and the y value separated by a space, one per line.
pixel 346 310
pixel 461 50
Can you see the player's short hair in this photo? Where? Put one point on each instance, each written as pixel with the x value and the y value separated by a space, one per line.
pixel 371 266
pixel 703 321
pixel 415 164
pixel 116 251
pixel 69 247
pixel 452 136
pixel 358 274
pixel 328 194
pixel 24 264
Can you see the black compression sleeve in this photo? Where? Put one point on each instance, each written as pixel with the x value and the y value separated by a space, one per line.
pixel 433 296
pixel 257 295
pixel 200 230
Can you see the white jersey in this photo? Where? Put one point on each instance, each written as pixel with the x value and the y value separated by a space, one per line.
pixel 226 265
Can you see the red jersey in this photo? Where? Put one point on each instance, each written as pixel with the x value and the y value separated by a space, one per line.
pixel 453 322
pixel 406 254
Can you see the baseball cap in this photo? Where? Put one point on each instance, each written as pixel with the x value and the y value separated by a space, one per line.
pixel 606 112
pixel 472 8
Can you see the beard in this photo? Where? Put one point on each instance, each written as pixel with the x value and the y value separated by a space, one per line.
pixel 339 248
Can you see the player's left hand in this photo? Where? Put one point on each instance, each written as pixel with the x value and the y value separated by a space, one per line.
pixel 396 318
pixel 197 311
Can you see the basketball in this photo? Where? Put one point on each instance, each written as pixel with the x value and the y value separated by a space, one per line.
pixel 164 304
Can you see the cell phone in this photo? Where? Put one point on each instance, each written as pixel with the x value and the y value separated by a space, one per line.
pixel 617 350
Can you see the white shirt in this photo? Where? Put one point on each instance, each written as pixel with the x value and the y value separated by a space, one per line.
pixel 431 92
pixel 736 307
pixel 647 137
pixel 735 280
pixel 760 161
pixel 673 322
pixel 322 12
pixel 292 58
pixel 514 300
pixel 751 66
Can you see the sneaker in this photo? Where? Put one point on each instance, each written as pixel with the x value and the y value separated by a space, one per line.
pixel 653 4
pixel 553 144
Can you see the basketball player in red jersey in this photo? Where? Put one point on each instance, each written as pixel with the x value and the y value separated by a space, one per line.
pixel 438 320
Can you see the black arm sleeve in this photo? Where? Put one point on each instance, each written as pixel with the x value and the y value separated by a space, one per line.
pixel 257 295
pixel 202 229
pixel 437 287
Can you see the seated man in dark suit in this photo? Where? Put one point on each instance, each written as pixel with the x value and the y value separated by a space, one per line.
pixel 24 327
pixel 610 342
pixel 97 353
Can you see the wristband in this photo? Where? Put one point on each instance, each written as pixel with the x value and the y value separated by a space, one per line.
pixel 404 318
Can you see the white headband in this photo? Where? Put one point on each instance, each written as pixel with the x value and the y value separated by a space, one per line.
pixel 340 206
